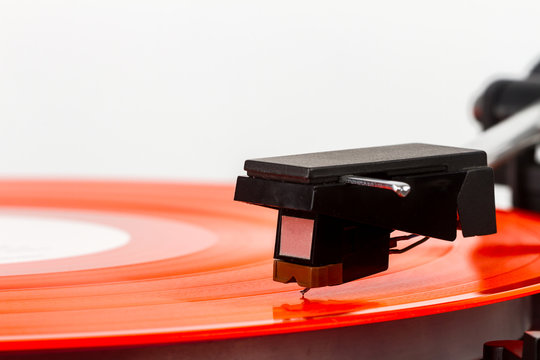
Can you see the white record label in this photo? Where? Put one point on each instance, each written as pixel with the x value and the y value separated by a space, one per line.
pixel 24 238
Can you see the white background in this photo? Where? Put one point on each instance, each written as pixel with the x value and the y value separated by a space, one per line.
pixel 187 90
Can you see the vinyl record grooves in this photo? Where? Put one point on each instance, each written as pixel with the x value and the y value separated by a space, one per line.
pixel 198 267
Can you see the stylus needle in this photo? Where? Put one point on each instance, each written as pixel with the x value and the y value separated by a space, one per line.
pixel 303 292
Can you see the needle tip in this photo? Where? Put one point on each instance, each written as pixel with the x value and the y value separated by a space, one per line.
pixel 303 292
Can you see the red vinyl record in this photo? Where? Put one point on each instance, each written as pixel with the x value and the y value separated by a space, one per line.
pixel 187 263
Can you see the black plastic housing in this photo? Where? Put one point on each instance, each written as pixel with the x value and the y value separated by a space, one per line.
pixel 451 188
pixel 444 180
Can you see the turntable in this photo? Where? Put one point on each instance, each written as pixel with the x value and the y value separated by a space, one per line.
pixel 188 271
